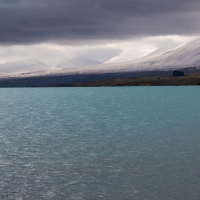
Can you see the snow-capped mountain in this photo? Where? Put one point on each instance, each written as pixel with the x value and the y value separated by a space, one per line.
pixel 77 63
pixel 184 56
pixel 24 66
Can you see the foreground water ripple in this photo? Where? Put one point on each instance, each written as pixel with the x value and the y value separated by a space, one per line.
pixel 100 143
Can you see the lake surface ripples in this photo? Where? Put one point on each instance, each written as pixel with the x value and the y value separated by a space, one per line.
pixel 100 143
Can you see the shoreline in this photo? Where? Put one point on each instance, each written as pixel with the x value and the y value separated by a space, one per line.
pixel 103 80
pixel 188 80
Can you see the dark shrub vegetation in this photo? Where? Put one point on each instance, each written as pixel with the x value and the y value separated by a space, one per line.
pixel 178 73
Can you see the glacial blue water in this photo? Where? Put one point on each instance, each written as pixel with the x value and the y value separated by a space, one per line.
pixel 100 143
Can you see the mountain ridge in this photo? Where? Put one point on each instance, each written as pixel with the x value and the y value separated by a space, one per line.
pixel 185 56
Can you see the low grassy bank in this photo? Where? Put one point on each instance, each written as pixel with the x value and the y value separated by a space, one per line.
pixel 193 79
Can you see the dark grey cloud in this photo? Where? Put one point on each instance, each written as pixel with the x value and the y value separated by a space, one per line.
pixel 76 21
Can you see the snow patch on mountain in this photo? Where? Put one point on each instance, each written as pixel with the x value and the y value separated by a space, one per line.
pixel 24 66
pixel 78 63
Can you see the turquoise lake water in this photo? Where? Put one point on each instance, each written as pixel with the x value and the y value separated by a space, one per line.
pixel 100 143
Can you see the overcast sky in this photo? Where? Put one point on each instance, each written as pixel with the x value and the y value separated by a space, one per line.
pixel 54 30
